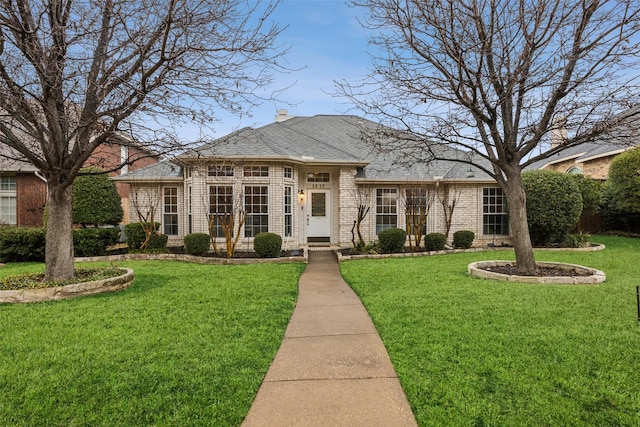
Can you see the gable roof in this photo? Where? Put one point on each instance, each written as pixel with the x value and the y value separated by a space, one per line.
pixel 329 139
pixel 621 138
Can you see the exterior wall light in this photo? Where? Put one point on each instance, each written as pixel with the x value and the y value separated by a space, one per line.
pixel 301 197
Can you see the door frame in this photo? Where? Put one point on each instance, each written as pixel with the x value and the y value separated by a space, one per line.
pixel 326 233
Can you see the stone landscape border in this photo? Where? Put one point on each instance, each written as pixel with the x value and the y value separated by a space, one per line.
pixel 69 291
pixel 477 269
pixel 125 280
pixel 190 258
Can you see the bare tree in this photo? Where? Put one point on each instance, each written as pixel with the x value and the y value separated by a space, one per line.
pixel 417 201
pixel 146 202
pixel 449 196
pixel 362 198
pixel 491 77
pixel 74 73
pixel 225 213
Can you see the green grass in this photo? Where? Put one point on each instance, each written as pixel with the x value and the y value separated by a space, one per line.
pixel 473 352
pixel 187 344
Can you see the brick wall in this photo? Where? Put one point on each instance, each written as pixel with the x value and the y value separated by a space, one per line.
pixel 31 193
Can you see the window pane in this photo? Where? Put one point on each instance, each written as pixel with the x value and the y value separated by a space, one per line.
pixel 495 219
pixel 257 208
pixel 170 209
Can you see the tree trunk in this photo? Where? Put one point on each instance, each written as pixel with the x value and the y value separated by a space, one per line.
pixel 59 236
pixel 516 199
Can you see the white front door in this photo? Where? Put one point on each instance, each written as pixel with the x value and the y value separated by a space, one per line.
pixel 319 214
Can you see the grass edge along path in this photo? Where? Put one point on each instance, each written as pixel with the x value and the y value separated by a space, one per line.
pixel 473 352
pixel 187 344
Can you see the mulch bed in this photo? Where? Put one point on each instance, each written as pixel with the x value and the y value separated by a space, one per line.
pixel 543 271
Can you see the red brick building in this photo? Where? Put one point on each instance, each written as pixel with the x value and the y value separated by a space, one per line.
pixel 23 189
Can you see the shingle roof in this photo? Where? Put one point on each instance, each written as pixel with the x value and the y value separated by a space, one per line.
pixel 168 170
pixel 622 138
pixel 328 139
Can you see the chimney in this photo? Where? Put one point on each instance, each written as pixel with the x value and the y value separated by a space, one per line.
pixel 282 116
pixel 558 132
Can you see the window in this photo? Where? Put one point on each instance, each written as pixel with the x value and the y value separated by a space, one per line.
pixel 288 173
pixel 318 177
pixel 417 208
pixel 220 206
pixel 288 211
pixel 220 170
pixel 7 183
pixel 256 205
pixel 8 200
pixel 170 211
pixel 574 170
pixel 495 218
pixel 189 208
pixel 256 171
pixel 386 208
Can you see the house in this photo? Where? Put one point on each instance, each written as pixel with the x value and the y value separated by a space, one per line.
pixel 304 178
pixel 23 189
pixel 592 159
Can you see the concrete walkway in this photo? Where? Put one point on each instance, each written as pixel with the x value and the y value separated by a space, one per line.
pixel 332 368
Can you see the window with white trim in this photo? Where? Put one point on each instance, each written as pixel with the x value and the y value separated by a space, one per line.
pixel 288 172
pixel 256 171
pixel 318 177
pixel 256 205
pixel 386 209
pixel 170 211
pixel 8 199
pixel 220 207
pixel 495 216
pixel 220 170
pixel 416 209
pixel 288 211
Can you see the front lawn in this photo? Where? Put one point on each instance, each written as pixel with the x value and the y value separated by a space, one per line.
pixel 473 352
pixel 187 344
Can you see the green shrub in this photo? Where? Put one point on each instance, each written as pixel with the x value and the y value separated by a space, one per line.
pixel 578 240
pixel 158 242
pixel 554 204
pixel 135 234
pixel 435 241
pixel 392 240
pixel 22 244
pixel 94 241
pixel 196 244
pixel 463 239
pixel 95 199
pixel 592 193
pixel 624 180
pixel 267 245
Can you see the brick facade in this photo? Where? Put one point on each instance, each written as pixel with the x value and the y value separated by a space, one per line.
pixel 31 193
pixel 344 194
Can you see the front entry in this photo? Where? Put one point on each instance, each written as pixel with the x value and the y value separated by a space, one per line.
pixel 319 216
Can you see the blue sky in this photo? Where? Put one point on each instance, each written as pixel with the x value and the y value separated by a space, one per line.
pixel 326 43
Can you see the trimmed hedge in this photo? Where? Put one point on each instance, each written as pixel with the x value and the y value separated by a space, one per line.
pixel 196 244
pixel 392 240
pixel 22 244
pixel 463 239
pixel 267 245
pixel 554 204
pixel 94 241
pixel 435 241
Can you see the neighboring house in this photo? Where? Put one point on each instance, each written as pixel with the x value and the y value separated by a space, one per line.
pixel 590 159
pixel 303 178
pixel 23 190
